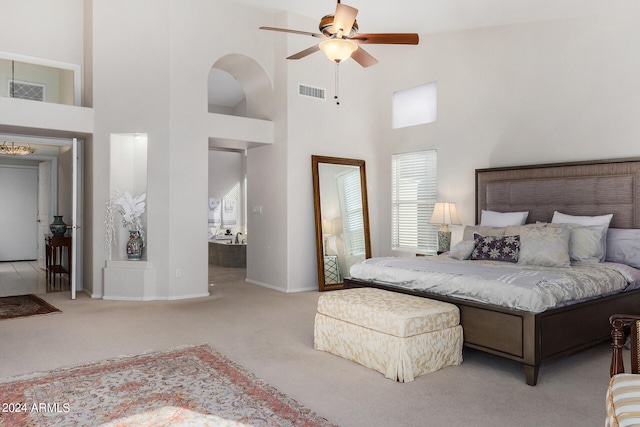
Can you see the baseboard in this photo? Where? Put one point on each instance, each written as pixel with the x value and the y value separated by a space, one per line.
pixel 265 285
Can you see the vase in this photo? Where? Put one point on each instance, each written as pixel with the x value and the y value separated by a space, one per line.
pixel 58 227
pixel 134 245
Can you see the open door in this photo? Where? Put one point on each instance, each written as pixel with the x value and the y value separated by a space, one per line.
pixel 76 220
pixel 44 190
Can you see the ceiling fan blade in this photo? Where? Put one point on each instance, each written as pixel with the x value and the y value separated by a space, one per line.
pixel 285 30
pixel 363 58
pixel 386 38
pixel 305 52
pixel 344 18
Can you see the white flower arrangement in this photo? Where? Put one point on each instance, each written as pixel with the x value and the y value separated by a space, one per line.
pixel 130 209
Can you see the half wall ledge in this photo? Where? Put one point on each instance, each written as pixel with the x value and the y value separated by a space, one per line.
pixel 129 281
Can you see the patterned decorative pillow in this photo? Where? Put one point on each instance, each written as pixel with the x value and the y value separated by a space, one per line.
pixel 496 248
pixel 587 244
pixel 540 245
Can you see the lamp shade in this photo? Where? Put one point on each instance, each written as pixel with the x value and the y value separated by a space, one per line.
pixel 338 50
pixel 327 228
pixel 445 213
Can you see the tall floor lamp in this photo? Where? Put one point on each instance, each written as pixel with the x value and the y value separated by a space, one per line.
pixel 444 213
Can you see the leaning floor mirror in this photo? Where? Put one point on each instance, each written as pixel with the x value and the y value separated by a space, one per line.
pixel 342 218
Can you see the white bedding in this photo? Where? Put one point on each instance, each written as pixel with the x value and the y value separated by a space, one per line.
pixel 528 288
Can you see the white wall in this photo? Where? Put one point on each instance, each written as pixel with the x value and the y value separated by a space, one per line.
pixel 131 81
pixel 547 92
pixel 226 170
pixel 43 29
pixel 198 39
pixel 555 91
pixel 323 128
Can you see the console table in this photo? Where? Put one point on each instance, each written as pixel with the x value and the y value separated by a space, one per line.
pixel 56 248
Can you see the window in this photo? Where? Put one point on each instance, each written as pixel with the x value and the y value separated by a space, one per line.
pixel 350 198
pixel 415 106
pixel 413 196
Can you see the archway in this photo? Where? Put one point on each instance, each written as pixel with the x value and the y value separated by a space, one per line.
pixel 239 86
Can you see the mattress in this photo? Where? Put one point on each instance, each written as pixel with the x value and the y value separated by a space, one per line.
pixel 521 287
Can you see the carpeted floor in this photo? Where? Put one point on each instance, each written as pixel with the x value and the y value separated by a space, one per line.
pixel 192 385
pixel 271 334
pixel 24 305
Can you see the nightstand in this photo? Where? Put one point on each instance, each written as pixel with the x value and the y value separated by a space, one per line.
pixel 331 272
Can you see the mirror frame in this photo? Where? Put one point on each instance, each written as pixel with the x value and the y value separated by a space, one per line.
pixel 315 161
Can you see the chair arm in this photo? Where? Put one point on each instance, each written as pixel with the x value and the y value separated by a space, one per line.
pixel 618 323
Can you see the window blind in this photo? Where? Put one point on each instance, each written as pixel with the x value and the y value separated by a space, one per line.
pixel 350 197
pixel 414 192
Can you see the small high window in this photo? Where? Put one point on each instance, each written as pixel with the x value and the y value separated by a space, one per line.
pixel 415 106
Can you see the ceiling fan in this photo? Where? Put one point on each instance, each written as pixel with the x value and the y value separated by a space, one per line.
pixel 341 40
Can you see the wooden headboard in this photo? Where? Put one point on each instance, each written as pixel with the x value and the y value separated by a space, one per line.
pixel 579 188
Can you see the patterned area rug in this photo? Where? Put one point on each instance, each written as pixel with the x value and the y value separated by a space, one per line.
pixel 194 386
pixel 24 305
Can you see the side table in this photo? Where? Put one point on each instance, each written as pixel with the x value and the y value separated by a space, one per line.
pixel 56 248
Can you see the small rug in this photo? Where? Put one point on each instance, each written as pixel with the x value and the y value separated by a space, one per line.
pixel 24 305
pixel 187 386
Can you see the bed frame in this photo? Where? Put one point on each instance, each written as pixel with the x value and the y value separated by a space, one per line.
pixel 579 188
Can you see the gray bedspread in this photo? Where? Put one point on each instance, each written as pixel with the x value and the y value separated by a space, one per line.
pixel 521 287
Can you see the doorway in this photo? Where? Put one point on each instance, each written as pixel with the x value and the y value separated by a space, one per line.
pixel 25 197
pixel 227 215
pixel 54 166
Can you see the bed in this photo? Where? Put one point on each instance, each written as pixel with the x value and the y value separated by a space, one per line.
pixel 533 337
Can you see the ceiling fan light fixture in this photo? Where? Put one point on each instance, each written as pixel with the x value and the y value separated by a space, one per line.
pixel 338 50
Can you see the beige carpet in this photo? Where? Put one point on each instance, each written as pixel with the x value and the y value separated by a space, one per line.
pixel 271 334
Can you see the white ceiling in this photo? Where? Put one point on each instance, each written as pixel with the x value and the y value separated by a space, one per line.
pixel 432 16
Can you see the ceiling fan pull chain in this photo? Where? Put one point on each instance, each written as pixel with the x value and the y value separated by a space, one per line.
pixel 337 84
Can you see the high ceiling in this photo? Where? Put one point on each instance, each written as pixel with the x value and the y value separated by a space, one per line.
pixel 432 16
pixel 415 16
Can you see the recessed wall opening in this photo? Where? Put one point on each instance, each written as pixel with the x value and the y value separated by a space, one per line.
pixel 226 96
pixel 415 106
pixel 239 86
pixel 38 79
pixel 128 173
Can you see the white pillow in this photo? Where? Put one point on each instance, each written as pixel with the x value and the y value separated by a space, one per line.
pixel 588 244
pixel 623 246
pixel 588 221
pixel 581 220
pixel 503 219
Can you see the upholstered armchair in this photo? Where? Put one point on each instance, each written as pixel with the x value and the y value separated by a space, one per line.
pixel 623 395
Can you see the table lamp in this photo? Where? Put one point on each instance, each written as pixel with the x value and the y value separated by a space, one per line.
pixel 444 213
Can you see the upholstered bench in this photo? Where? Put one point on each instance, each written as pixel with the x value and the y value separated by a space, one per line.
pixel 399 335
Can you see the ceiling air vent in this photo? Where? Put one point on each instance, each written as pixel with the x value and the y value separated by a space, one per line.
pixel 311 92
